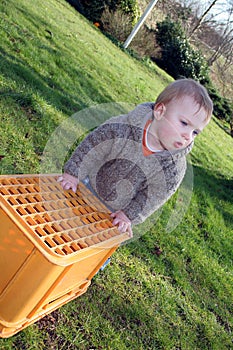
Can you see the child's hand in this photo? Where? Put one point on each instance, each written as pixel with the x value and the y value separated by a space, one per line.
pixel 68 182
pixel 123 222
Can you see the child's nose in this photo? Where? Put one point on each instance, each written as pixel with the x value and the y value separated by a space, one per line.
pixel 188 136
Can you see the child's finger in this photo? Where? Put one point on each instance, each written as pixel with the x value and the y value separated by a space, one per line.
pixel 116 221
pixel 74 188
pixel 60 179
pixel 130 231
pixel 67 186
pixel 122 227
pixel 113 215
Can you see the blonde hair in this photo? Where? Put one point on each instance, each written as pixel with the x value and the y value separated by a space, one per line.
pixel 187 87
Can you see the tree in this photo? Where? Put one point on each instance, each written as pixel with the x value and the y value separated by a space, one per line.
pixel 224 47
pixel 203 16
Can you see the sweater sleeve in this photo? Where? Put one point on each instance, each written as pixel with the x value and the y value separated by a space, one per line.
pixel 113 131
pixel 102 138
pixel 95 138
pixel 134 209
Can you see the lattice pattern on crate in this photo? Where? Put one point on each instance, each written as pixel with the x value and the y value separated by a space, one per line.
pixel 66 222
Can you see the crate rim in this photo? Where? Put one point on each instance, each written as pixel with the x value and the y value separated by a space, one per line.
pixel 50 255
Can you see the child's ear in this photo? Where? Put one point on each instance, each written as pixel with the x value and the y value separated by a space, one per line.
pixel 159 110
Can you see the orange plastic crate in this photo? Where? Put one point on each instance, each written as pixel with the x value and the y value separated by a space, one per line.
pixel 52 242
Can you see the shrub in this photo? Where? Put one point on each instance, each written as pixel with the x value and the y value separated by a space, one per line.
pixel 116 23
pixel 93 9
pixel 178 58
pixel 223 108
pixel 130 7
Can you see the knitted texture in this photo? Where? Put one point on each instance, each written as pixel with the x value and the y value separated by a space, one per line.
pixel 123 178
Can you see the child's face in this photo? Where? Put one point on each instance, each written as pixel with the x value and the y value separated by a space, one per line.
pixel 177 124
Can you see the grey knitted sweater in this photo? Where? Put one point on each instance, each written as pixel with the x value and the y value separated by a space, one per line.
pixel 112 157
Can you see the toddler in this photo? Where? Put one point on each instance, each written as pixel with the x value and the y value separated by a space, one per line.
pixel 135 162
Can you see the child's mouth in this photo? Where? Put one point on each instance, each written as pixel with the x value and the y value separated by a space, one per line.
pixel 178 144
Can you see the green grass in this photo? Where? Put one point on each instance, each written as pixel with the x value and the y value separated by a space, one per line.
pixel 54 63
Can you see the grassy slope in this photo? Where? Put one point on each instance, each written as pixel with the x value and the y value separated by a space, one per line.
pixel 54 63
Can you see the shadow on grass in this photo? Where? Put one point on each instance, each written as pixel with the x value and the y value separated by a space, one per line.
pixel 30 81
pixel 217 188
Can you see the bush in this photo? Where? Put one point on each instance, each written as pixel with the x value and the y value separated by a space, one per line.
pixel 130 7
pixel 93 9
pixel 178 58
pixel 223 108
pixel 116 23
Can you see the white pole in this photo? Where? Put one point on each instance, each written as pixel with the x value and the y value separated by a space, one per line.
pixel 140 23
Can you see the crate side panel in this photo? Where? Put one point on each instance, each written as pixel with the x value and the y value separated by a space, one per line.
pixel 14 249
pixel 27 288
pixel 79 271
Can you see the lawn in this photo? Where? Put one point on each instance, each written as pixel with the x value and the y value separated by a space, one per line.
pixel 54 64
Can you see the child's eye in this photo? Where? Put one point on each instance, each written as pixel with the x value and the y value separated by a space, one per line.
pixel 195 132
pixel 183 122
